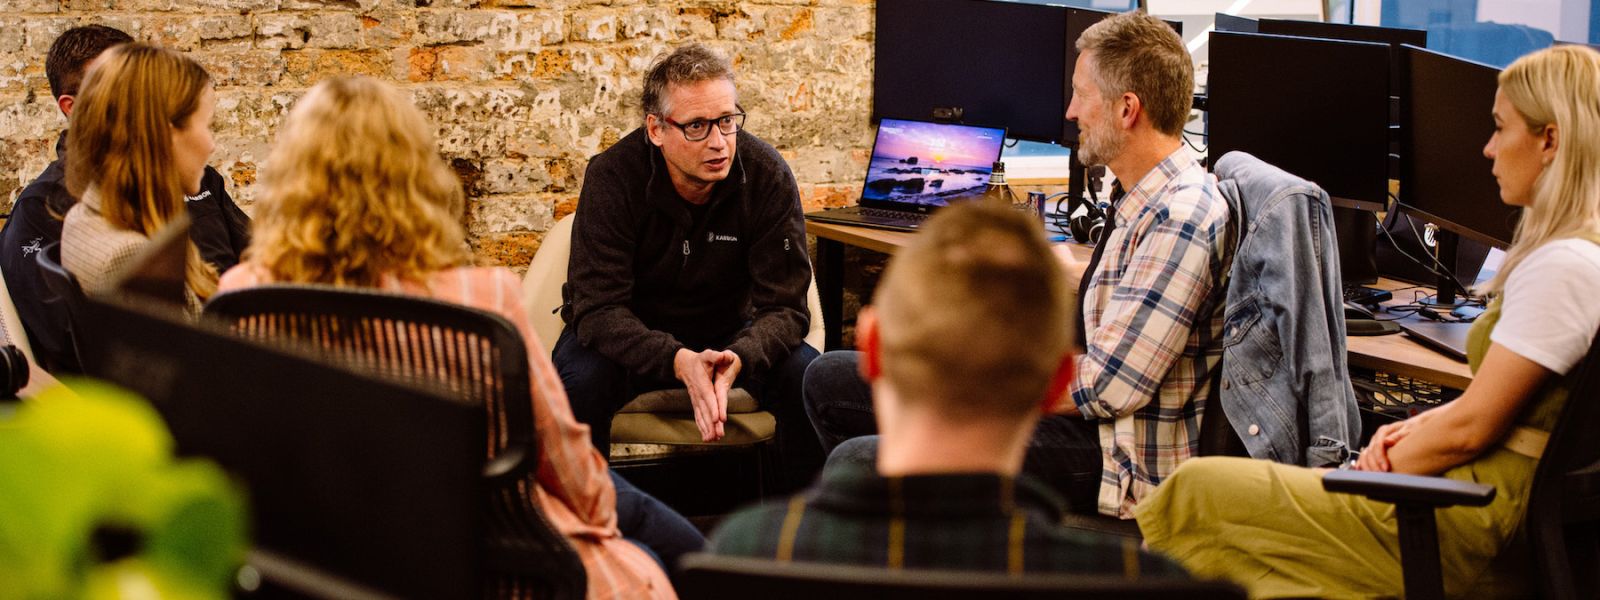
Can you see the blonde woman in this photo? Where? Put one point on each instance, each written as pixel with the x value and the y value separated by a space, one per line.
pixel 355 194
pixel 1273 529
pixel 137 141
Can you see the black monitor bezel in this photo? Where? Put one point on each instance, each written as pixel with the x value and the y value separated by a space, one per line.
pixel 1379 185
pixel 878 112
pixel 1408 163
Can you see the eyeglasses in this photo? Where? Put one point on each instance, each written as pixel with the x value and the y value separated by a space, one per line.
pixel 699 129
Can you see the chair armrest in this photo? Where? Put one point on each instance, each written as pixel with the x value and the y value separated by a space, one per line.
pixel 510 466
pixel 1412 490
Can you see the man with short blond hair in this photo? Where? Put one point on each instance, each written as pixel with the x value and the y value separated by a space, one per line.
pixel 967 342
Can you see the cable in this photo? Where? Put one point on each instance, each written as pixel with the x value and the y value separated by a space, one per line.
pixel 1193 145
pixel 1448 272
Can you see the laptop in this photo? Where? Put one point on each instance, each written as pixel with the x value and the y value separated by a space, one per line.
pixel 916 168
pixel 1448 338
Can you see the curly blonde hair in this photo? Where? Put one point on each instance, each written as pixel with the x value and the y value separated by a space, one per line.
pixel 355 190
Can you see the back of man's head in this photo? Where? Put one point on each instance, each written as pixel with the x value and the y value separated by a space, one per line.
pixel 71 53
pixel 1139 53
pixel 974 315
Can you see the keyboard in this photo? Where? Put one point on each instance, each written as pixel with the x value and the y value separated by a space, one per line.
pixel 1365 296
pixel 893 214
pixel 871 217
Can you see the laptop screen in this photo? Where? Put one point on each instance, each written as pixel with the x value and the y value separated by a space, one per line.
pixel 921 164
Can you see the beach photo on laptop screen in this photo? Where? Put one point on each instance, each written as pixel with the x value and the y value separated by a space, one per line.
pixel 915 162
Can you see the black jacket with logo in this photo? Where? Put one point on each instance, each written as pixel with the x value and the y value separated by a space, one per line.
pixel 647 279
pixel 219 229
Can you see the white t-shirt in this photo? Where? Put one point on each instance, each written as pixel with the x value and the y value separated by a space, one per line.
pixel 1552 305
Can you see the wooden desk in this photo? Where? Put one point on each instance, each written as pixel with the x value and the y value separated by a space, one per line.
pixel 1397 354
pixel 1400 355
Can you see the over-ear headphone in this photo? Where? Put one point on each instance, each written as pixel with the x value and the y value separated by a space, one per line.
pixel 1087 223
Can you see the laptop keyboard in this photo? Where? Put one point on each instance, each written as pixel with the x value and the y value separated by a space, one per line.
pixel 893 214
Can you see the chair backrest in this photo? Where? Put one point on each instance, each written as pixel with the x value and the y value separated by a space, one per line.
pixel 64 286
pixel 472 356
pixel 16 335
pixel 1563 515
pixel 711 577
pixel 367 480
pixel 541 288
pixel 476 356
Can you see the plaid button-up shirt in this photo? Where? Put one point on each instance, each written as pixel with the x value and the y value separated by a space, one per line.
pixel 1153 315
pixel 956 521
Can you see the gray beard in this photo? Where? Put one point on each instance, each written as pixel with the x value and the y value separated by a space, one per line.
pixel 1098 150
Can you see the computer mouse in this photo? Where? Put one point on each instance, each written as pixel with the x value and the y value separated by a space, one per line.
pixel 1357 311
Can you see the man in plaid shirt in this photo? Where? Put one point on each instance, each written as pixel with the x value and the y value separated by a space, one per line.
pixel 946 490
pixel 1151 322
pixel 1152 294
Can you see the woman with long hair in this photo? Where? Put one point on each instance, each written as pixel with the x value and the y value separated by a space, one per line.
pixel 356 194
pixel 1272 528
pixel 138 140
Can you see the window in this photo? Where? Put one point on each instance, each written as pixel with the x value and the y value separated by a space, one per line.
pixel 1495 32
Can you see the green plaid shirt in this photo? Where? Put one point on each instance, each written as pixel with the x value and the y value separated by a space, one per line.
pixel 979 522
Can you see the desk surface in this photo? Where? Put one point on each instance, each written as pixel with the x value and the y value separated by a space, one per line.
pixel 1397 354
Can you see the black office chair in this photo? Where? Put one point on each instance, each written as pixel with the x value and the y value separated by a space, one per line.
pixel 712 577
pixel 65 289
pixel 1563 514
pixel 474 356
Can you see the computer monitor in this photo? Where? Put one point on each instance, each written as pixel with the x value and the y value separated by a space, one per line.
pixel 1394 36
pixel 1444 177
pixel 368 481
pixel 1445 122
pixel 1000 63
pixel 1318 109
pixel 1237 24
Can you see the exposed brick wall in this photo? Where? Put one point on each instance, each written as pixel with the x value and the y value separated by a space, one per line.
pixel 523 92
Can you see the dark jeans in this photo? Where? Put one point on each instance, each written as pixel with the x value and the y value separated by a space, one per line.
pixel 1064 451
pixel 663 533
pixel 598 387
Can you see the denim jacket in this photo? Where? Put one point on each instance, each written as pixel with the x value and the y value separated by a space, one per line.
pixel 1285 382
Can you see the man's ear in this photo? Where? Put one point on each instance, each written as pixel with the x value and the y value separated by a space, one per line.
pixel 652 129
pixel 1131 107
pixel 1056 393
pixel 868 343
pixel 65 102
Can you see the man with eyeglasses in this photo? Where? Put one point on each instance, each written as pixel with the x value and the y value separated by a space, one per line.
pixel 689 266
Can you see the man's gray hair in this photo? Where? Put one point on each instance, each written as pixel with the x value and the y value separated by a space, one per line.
pixel 690 63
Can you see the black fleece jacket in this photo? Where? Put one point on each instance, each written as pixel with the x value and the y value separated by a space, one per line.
pixel 645 279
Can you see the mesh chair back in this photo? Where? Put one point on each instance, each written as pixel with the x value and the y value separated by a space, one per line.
pixel 473 356
pixel 1563 518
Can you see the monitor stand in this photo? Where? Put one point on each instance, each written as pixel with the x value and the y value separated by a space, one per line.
pixel 1446 285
